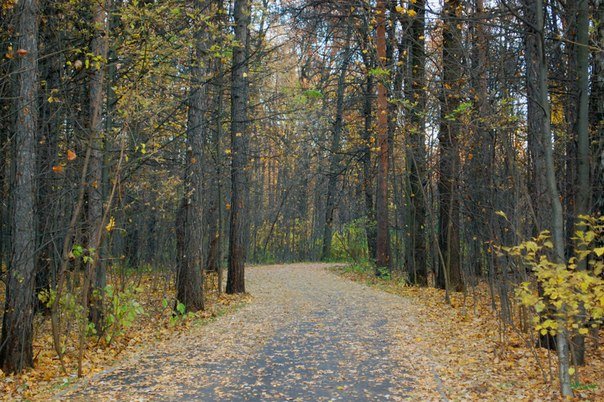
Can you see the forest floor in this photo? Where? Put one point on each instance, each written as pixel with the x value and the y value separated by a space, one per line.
pixel 313 333
pixel 309 334
pixel 473 355
pixel 306 335
pixel 153 291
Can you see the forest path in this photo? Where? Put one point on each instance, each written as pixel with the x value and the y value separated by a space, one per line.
pixel 307 335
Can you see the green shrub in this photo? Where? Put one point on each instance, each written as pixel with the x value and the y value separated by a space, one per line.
pixel 122 309
pixel 350 242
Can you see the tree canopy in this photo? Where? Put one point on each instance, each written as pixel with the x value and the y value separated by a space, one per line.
pixel 452 144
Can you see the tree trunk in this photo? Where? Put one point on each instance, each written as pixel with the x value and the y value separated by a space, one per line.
pixel 239 149
pixel 48 209
pixel 213 262
pixel 482 149
pixel 537 181
pixel 397 72
pixel 449 276
pixel 597 109
pixel 16 351
pixel 6 93
pixel 382 237
pixel 370 228
pixel 538 67
pixel 581 129
pixel 189 281
pixel 416 154
pixel 95 189
pixel 536 149
pixel 334 163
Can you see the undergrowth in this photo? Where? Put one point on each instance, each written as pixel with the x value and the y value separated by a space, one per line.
pixel 480 354
pixel 140 313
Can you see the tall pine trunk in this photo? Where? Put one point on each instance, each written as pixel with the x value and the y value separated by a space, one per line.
pixel 368 139
pixel 367 169
pixel 334 163
pixel 382 259
pixel 482 148
pixel 99 48
pixel 49 183
pixel 16 351
pixel 416 154
pixel 189 279
pixel 581 133
pixel 449 276
pixel 535 116
pixel 597 108
pixel 239 149
pixel 538 94
pixel 214 258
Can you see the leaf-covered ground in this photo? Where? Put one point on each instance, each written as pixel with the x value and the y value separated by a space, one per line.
pixel 478 359
pixel 156 325
pixel 307 335
pixel 310 333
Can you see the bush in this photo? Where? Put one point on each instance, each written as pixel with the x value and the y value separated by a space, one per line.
pixel 350 243
pixel 572 293
pixel 122 309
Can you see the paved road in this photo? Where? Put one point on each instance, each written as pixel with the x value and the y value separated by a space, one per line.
pixel 308 335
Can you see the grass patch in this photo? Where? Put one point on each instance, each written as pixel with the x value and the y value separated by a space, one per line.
pixel 583 387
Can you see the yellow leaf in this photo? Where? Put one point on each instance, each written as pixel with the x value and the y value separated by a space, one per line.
pixel 111 225
pixel 571 371
pixel 502 214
